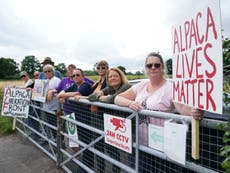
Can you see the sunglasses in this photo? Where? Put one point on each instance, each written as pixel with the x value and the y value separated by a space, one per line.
pixel 103 68
pixel 76 75
pixel 47 71
pixel 156 65
pixel 23 76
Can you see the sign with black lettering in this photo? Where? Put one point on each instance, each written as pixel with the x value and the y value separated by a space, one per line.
pixel 16 102
pixel 198 60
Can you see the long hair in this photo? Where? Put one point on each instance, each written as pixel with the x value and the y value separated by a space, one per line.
pixel 124 80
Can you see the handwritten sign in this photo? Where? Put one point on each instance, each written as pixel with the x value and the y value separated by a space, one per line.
pixel 16 102
pixel 197 58
pixel 40 90
pixel 118 132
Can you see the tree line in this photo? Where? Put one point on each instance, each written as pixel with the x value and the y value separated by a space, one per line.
pixel 9 69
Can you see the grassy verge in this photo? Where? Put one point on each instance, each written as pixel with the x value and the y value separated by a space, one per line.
pixel 5 125
pixel 5 122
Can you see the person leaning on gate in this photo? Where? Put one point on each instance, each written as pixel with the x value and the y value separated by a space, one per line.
pixel 153 94
pixel 67 82
pixel 79 88
pixel 46 61
pixel 117 83
pixel 50 104
pixel 96 114
pixel 101 69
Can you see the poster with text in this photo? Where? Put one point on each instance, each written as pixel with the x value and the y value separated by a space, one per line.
pixel 40 90
pixel 198 59
pixel 16 102
pixel 175 141
pixel 72 131
pixel 118 132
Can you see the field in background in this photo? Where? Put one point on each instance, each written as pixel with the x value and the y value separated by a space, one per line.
pixel 6 122
pixel 5 83
pixel 129 77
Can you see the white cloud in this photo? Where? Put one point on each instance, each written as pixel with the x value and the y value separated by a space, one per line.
pixel 83 32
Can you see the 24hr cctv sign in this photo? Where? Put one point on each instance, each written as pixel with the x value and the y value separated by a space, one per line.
pixel 118 132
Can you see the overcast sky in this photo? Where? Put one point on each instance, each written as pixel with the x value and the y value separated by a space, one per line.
pixel 82 32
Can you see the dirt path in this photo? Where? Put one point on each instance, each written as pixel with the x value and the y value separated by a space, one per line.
pixel 19 155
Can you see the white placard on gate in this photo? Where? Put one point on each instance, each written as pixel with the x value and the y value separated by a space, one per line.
pixel 156 137
pixel 16 102
pixel 175 141
pixel 118 132
pixel 72 131
pixel 40 90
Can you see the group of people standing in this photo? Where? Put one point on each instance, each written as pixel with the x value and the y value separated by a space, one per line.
pixel 112 87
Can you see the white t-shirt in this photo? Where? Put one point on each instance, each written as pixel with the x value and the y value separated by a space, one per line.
pixel 52 84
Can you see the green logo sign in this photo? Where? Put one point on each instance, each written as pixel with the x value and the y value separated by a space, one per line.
pixel 71 126
pixel 157 138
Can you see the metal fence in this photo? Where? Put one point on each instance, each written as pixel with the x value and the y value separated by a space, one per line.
pixel 47 130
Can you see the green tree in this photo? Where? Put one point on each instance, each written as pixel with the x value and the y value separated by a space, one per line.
pixel 138 73
pixel 225 150
pixel 61 67
pixel 169 66
pixel 226 56
pixel 30 64
pixel 8 67
pixel 122 69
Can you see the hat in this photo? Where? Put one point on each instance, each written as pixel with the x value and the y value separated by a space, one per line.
pixel 23 73
pixel 47 60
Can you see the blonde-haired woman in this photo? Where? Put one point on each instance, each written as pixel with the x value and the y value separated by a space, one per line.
pixel 117 83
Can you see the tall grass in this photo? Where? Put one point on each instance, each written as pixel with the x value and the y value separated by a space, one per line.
pixel 5 83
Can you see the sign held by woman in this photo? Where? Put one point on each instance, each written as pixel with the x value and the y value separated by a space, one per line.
pixel 197 58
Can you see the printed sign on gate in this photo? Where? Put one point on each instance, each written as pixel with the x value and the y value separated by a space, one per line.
pixel 156 137
pixel 175 141
pixel 16 102
pixel 72 131
pixel 118 132
pixel 197 59
pixel 40 90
